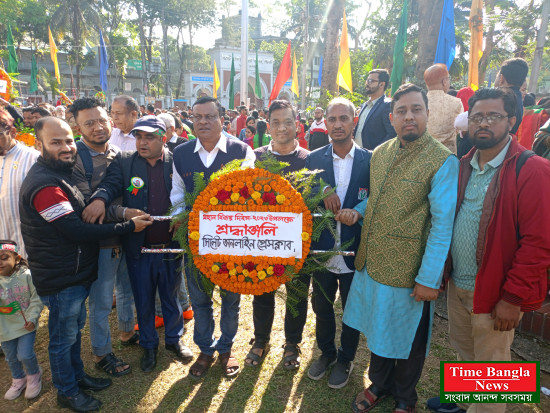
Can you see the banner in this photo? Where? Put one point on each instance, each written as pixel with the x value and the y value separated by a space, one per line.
pixel 268 234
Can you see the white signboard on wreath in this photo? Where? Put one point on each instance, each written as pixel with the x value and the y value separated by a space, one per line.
pixel 268 234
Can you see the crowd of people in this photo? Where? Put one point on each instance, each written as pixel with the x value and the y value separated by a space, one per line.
pixel 430 191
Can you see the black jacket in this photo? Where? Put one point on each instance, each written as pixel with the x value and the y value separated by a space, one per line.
pixel 126 165
pixel 63 252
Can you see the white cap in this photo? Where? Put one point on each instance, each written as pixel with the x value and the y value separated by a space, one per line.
pixel 167 119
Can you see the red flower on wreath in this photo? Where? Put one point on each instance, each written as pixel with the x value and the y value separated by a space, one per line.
pixel 270 198
pixel 278 270
pixel 222 195
pixel 244 192
pixel 249 266
pixel 223 269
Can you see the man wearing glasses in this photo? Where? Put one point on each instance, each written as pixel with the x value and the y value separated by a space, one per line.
pixel 374 126
pixel 208 154
pixel 15 161
pixel 500 248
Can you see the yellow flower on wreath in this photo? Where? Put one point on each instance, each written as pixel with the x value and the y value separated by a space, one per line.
pixel 235 196
pixel 256 195
pixel 233 272
pixel 213 201
pixel 245 273
pixel 195 236
pixel 280 199
pixel 305 236
pixel 261 275
pixel 270 270
pixel 215 268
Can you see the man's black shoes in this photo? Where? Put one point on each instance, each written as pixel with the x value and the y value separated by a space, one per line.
pixel 82 402
pixel 149 359
pixel 94 383
pixel 181 350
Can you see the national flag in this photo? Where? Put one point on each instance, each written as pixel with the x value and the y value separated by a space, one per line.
pixel 216 81
pixel 476 43
pixel 53 54
pixel 446 42
pixel 295 87
pixel 12 62
pixel 343 78
pixel 103 63
pixel 282 75
pixel 34 75
pixel 258 87
pixel 399 49
pixel 11 308
pixel 232 84
pixel 320 75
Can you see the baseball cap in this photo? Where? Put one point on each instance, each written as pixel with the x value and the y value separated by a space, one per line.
pixel 149 123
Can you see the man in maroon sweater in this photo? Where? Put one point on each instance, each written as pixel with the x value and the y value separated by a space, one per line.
pixel 500 250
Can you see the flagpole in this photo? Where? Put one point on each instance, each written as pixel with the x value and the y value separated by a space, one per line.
pixel 244 52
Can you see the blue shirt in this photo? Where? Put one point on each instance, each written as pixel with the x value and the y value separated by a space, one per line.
pixel 466 228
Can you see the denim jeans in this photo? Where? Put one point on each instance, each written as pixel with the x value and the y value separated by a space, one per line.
pixel 112 271
pixel 263 312
pixel 67 317
pixel 19 352
pixel 183 297
pixel 324 293
pixel 203 310
pixel 148 273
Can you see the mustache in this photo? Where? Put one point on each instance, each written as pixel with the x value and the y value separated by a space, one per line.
pixel 489 131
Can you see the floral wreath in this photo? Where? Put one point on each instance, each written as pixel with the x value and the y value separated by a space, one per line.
pixel 7 78
pixel 249 190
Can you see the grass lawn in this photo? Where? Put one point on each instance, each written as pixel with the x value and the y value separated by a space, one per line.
pixel 268 388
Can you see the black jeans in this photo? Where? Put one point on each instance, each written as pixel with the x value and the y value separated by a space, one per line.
pixel 325 286
pixel 399 377
pixel 263 310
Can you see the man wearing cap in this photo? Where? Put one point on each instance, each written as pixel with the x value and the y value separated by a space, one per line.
pixel 144 179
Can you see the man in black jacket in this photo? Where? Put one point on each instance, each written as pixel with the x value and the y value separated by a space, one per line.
pixel 62 254
pixel 144 179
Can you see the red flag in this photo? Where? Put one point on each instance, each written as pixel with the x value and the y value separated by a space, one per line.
pixel 282 76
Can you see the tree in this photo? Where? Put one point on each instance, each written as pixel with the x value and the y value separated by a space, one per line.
pixel 429 20
pixel 76 17
pixel 332 40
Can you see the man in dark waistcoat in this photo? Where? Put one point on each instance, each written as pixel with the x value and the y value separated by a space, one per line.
pixel 144 179
pixel 209 153
pixel 62 254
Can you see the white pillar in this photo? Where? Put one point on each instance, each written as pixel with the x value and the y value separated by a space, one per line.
pixel 244 52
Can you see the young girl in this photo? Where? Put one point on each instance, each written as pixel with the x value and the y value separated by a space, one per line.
pixel 16 334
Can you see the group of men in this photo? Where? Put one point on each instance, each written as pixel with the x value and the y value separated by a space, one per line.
pixel 85 212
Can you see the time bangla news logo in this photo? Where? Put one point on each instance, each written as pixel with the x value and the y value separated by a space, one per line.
pixel 490 382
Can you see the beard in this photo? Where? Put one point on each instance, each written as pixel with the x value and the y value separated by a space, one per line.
pixel 410 137
pixel 487 143
pixel 58 164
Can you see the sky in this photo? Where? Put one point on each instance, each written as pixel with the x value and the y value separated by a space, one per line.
pixel 272 15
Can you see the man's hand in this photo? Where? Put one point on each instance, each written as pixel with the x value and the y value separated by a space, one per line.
pixel 95 212
pixel 332 202
pixel 141 222
pixel 174 226
pixel 423 293
pixel 29 326
pixel 348 216
pixel 506 316
pixel 132 212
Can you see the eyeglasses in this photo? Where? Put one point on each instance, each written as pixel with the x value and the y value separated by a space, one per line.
pixel 369 81
pixel 91 123
pixel 477 119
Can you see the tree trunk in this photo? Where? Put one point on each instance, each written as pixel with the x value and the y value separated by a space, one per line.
pixel 541 39
pixel 489 42
pixel 429 20
pixel 181 54
pixel 331 55
pixel 191 46
pixel 167 90
pixel 77 34
pixel 145 85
